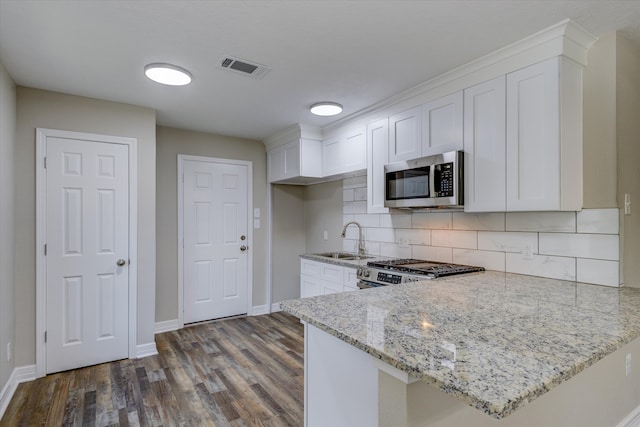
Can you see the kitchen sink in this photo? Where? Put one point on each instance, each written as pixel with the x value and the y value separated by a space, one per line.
pixel 342 255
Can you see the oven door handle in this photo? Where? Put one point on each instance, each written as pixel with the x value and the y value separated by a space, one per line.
pixel 432 181
pixel 363 285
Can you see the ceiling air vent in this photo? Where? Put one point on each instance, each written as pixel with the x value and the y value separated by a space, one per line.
pixel 244 67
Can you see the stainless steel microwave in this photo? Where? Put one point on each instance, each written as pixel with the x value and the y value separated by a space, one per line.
pixel 428 182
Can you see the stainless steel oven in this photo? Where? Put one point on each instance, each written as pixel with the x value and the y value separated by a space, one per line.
pixel 399 271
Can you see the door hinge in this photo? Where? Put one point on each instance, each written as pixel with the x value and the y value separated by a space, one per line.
pixel 45 162
pixel 45 336
pixel 45 249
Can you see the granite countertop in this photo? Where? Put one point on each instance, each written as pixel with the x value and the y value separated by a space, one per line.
pixel 495 340
pixel 344 262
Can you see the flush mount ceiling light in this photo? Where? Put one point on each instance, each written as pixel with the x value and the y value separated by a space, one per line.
pixel 326 108
pixel 167 74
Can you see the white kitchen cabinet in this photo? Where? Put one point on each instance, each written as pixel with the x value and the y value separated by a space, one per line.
pixel 295 161
pixel 544 137
pixel 442 124
pixel 344 153
pixel 322 278
pixel 377 157
pixel 405 135
pixel 484 147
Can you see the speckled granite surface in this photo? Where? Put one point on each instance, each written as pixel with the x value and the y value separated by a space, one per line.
pixel 494 340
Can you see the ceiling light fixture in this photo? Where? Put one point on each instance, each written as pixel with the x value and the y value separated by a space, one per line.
pixel 326 108
pixel 167 74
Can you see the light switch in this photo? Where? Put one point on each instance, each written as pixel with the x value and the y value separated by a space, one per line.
pixel 256 212
pixel 256 223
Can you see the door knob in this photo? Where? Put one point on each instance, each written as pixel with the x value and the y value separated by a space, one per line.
pixel 121 262
pixel 243 248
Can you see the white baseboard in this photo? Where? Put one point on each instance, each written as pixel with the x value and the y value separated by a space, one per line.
pixel 18 375
pixel 144 350
pixel 275 307
pixel 166 326
pixel 258 310
pixel 631 420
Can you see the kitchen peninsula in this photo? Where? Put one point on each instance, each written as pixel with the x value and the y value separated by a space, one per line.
pixel 428 353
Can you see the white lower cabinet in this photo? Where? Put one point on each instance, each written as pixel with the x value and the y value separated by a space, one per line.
pixel 322 278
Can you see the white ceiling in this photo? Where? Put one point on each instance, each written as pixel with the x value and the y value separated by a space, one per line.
pixel 354 52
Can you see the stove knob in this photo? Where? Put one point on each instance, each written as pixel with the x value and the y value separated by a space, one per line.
pixel 366 272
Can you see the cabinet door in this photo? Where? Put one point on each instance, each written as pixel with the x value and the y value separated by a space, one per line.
pixel 377 157
pixel 484 147
pixel 354 151
pixel 442 125
pixel 309 286
pixel 275 164
pixel 405 135
pixel 350 281
pixel 292 159
pixel 533 138
pixel 332 163
pixel 330 287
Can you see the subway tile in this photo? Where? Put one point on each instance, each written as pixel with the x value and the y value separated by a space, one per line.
pixel 372 248
pixel 507 241
pixel 360 193
pixel 432 220
pixel 395 220
pixel 347 218
pixel 367 220
pixel 489 260
pixel 355 182
pixel 455 239
pixel 598 221
pixel 348 195
pixel 598 272
pixel 431 253
pixel 408 236
pixel 359 207
pixel 597 246
pixel 563 268
pixel 387 235
pixel 541 221
pixel 478 221
pixel 352 233
pixel 349 245
pixel 393 250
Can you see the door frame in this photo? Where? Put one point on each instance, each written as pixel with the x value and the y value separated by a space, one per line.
pixel 41 190
pixel 180 183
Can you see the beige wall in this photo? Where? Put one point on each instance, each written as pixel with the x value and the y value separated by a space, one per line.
pixel 38 108
pixel 323 212
pixel 599 125
pixel 628 138
pixel 170 143
pixel 7 185
pixel 301 215
pixel 288 240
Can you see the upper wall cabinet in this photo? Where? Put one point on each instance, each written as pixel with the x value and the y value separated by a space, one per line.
pixel 405 135
pixel 377 157
pixel 484 147
pixel 442 125
pixel 433 128
pixel 344 153
pixel 296 162
pixel 544 137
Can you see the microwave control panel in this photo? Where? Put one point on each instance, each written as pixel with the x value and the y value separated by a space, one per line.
pixel 444 180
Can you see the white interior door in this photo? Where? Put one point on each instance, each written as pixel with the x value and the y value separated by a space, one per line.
pixel 215 230
pixel 87 253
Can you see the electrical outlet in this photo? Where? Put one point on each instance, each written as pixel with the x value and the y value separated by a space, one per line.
pixel 9 351
pixel 527 252
pixel 628 364
pixel 627 204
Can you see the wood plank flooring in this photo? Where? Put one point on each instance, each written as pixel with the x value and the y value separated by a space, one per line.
pixel 238 372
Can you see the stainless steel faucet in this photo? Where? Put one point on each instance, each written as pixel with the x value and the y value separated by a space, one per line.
pixel 361 249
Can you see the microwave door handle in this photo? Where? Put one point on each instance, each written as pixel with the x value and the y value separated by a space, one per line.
pixel 432 181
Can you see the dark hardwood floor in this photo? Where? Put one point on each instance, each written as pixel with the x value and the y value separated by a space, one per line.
pixel 238 372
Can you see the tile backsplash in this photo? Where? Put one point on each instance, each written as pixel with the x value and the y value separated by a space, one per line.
pixel 579 246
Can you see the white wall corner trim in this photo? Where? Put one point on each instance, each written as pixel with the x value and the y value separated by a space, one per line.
pixel 19 375
pixel 144 350
pixel 258 310
pixel 631 420
pixel 167 326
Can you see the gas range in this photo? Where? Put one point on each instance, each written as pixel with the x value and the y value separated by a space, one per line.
pixel 397 271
